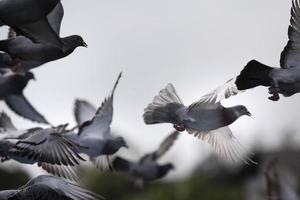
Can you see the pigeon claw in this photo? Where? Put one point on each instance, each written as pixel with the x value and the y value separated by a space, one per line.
pixel 274 97
pixel 273 90
pixel 180 127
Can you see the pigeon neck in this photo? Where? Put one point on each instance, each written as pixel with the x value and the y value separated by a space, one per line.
pixel 231 115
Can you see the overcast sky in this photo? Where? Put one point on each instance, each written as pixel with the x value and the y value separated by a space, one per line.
pixel 196 45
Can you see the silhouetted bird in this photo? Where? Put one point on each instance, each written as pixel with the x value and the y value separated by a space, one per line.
pixel 147 168
pixel 206 119
pixel 49 188
pixel 11 91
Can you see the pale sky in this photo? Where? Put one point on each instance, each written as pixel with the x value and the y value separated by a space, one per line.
pixel 196 45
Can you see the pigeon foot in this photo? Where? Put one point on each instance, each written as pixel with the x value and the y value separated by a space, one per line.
pixel 275 93
pixel 179 127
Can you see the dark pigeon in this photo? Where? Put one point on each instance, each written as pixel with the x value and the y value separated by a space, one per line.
pixel 147 169
pixel 29 17
pixel 11 91
pixel 49 187
pixel 206 119
pixel 26 54
pixel 284 80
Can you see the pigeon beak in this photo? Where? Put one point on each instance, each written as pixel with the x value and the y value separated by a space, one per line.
pixel 249 114
pixel 84 45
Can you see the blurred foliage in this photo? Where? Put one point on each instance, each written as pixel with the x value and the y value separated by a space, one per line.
pixel 12 179
pixel 198 186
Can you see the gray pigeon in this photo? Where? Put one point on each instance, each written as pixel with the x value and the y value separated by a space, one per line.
pixel 22 49
pixel 11 91
pixel 49 148
pixel 95 134
pixel 206 119
pixel 147 168
pixel 48 188
pixel 284 80
pixel 29 17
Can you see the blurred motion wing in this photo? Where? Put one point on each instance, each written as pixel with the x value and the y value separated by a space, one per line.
pixel 224 144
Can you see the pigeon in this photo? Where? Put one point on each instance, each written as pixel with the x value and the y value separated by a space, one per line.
pixel 95 134
pixel 48 147
pixel 281 182
pixel 147 169
pixel 46 187
pixel 21 48
pixel 29 17
pixel 206 119
pixel 284 80
pixel 11 91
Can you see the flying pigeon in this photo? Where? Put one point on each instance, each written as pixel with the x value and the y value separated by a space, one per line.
pixel 206 119
pixel 95 134
pixel 29 17
pixel 49 148
pixel 49 187
pixel 147 168
pixel 284 80
pixel 24 51
pixel 11 91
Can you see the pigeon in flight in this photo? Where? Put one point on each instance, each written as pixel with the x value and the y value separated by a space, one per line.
pixel 11 91
pixel 29 18
pixel 206 119
pixel 95 133
pixel 147 168
pixel 284 80
pixel 49 187
pixel 24 51
pixel 49 148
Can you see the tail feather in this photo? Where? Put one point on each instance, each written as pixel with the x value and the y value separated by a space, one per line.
pixel 254 74
pixel 163 106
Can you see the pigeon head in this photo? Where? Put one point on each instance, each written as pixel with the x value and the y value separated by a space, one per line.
pixel 74 41
pixel 164 169
pixel 29 76
pixel 113 145
pixel 241 110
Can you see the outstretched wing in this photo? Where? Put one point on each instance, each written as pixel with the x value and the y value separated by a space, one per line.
pixel 50 147
pixel 40 32
pixel 55 18
pixel 99 126
pixel 83 111
pixel 20 105
pixel 224 144
pixel 164 147
pixel 6 123
pixel 290 56
pixel 220 93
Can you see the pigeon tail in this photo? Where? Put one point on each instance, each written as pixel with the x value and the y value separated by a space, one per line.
pixel 163 107
pixel 254 74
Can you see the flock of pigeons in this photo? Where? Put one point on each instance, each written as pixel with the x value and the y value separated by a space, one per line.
pixel 34 39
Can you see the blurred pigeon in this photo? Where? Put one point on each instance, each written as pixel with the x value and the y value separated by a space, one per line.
pixel 11 91
pixel 206 119
pixel 47 188
pixel 49 148
pixel 147 168
pixel 95 134
pixel 281 183
pixel 284 80
pixel 29 17
pixel 21 48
